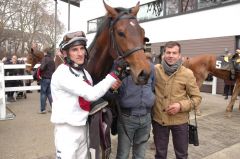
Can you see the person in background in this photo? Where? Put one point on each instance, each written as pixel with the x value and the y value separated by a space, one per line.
pixel 149 56
pixel 134 122
pixel 46 70
pixel 72 91
pixel 11 96
pixel 176 93
pixel 228 88
pixel 228 84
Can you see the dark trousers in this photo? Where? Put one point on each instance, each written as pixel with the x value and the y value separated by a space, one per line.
pixel 228 89
pixel 179 137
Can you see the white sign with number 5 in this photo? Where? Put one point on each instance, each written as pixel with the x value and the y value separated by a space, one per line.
pixel 218 64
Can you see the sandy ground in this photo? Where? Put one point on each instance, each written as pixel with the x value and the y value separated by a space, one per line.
pixel 30 135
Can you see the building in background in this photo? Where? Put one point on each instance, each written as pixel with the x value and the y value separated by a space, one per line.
pixel 201 26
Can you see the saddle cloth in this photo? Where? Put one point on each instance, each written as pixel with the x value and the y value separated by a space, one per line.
pixel 224 62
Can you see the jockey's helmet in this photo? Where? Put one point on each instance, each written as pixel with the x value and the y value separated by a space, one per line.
pixel 73 39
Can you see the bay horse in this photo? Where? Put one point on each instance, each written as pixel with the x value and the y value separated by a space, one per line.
pixel 119 36
pixel 35 56
pixel 202 65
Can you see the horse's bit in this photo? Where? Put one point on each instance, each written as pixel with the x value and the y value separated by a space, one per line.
pixel 121 54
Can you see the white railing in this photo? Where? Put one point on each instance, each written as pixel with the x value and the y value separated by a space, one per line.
pixel 3 89
pixel 213 83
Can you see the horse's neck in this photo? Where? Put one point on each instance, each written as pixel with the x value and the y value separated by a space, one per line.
pixel 38 59
pixel 36 62
pixel 100 61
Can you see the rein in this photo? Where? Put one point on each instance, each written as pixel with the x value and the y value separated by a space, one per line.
pixel 120 53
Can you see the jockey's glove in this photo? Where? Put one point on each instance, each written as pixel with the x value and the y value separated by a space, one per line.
pixel 118 69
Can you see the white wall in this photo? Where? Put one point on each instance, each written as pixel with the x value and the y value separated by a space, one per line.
pixel 223 21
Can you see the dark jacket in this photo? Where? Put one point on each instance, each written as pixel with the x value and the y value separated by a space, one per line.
pixel 137 98
pixel 13 72
pixel 47 67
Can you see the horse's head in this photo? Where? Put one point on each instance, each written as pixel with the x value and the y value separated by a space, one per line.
pixel 127 40
pixel 33 58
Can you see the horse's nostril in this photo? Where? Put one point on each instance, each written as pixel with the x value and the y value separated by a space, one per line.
pixel 143 77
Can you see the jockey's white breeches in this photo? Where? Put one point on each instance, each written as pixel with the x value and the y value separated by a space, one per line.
pixel 71 142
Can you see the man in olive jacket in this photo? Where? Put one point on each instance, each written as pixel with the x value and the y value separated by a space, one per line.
pixel 176 94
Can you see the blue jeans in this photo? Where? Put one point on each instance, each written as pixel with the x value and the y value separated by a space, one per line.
pixel 45 93
pixel 138 129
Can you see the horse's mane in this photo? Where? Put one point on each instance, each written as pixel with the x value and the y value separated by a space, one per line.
pixel 106 23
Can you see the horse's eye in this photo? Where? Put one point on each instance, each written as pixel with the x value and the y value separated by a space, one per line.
pixel 121 34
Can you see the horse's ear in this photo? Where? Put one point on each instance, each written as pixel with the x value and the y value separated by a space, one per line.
pixel 135 9
pixel 111 11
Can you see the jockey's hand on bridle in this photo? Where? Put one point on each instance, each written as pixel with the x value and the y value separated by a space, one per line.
pixel 119 68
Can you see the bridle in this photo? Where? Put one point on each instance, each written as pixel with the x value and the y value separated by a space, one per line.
pixel 120 53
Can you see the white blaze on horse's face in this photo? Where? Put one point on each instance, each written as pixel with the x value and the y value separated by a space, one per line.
pixel 172 55
pixel 132 24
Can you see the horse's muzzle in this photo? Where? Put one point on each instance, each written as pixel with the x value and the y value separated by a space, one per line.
pixel 142 77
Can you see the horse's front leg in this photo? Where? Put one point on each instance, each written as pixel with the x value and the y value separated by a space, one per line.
pixel 233 98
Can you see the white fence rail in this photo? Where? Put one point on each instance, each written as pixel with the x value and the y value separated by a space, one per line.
pixel 213 83
pixel 3 89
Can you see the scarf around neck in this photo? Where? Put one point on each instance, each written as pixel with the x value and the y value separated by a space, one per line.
pixel 170 69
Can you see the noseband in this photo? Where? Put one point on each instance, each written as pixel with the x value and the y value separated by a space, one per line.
pixel 120 53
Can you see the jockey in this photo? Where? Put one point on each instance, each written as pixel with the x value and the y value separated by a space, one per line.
pixel 72 92
pixel 74 39
pixel 232 69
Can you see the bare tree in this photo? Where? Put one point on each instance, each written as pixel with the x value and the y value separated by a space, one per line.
pixel 6 13
pixel 23 22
